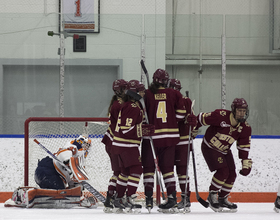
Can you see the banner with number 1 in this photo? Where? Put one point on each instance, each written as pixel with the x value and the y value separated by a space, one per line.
pixel 78 15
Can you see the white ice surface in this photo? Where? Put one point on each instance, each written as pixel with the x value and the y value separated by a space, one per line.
pixel 250 211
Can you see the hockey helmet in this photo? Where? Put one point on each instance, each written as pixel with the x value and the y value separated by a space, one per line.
pixel 161 76
pixel 135 86
pixel 119 86
pixel 240 103
pixel 175 84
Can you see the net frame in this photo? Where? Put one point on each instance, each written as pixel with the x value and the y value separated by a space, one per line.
pixel 29 137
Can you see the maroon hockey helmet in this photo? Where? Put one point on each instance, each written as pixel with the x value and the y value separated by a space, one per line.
pixel 135 86
pixel 240 103
pixel 175 84
pixel 161 76
pixel 119 86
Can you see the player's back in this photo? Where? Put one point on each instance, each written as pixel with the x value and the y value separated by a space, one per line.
pixel 164 109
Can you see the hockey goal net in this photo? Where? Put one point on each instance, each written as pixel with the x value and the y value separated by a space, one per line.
pixel 54 133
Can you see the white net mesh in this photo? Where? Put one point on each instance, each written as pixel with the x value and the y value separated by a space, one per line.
pixel 55 134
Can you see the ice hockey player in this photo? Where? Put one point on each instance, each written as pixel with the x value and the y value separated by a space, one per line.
pixel 164 109
pixel 225 127
pixel 277 201
pixel 59 183
pixel 181 151
pixel 119 86
pixel 127 138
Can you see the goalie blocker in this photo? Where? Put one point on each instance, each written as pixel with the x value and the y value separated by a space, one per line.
pixel 30 197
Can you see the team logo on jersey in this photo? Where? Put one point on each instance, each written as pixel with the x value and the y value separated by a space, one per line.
pixel 224 124
pixel 231 130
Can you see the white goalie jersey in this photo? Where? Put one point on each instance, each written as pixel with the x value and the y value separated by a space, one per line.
pixel 73 156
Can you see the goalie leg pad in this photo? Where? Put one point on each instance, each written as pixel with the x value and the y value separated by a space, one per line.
pixel 19 197
pixel 30 197
pixel 47 198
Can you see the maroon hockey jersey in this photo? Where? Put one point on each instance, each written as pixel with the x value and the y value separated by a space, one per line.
pixel 128 131
pixel 220 135
pixel 113 118
pixel 164 110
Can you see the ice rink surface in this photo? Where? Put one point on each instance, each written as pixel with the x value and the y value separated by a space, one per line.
pixel 250 211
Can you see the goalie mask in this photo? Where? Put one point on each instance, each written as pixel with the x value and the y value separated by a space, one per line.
pixel 119 86
pixel 240 103
pixel 175 84
pixel 161 77
pixel 84 142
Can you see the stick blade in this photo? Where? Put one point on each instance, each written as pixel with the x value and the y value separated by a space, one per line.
pixel 93 191
pixel 134 95
pixel 203 202
pixel 143 66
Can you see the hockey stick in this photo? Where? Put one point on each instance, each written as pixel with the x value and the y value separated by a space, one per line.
pixel 141 100
pixel 145 71
pixel 188 159
pixel 148 82
pixel 199 199
pixel 93 191
pixel 54 157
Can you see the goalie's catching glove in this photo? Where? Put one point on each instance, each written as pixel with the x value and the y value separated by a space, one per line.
pixel 246 167
pixel 148 130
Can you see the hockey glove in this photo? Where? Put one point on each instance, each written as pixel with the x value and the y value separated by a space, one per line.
pixel 191 120
pixel 246 167
pixel 148 130
pixel 194 133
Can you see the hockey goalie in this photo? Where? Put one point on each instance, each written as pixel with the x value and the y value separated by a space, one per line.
pixel 59 180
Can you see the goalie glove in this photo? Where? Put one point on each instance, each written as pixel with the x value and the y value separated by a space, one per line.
pixel 246 167
pixel 78 172
pixel 148 130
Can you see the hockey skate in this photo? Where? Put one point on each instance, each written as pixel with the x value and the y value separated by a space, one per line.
pixel 108 204
pixel 170 206
pixel 226 206
pixel 149 201
pixel 185 204
pixel 213 201
pixel 120 205
pixel 277 204
pixel 132 206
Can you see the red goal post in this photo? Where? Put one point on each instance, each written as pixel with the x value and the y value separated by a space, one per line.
pixel 55 132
